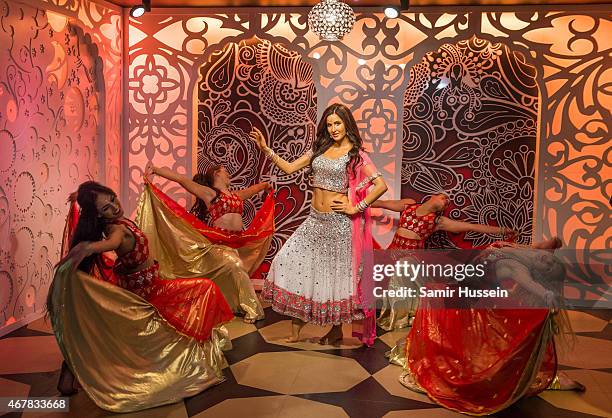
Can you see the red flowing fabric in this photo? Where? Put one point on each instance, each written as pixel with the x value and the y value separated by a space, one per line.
pixel 252 244
pixel 193 306
pixel 261 227
pixel 479 361
pixel 363 254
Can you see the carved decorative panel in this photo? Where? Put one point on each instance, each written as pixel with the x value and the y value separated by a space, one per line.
pixel 52 137
pixel 470 116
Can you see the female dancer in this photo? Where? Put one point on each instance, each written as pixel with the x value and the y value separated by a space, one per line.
pixel 481 360
pixel 417 222
pixel 143 342
pixel 225 208
pixel 315 277
pixel 213 196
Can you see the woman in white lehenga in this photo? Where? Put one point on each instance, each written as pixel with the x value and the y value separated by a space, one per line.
pixel 316 276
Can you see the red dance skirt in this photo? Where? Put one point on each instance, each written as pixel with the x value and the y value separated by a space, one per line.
pixel 479 361
pixel 402 243
pixel 192 306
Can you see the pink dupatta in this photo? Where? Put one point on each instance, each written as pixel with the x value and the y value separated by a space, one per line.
pixel 363 255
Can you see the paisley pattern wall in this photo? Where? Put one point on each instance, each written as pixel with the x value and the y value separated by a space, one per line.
pixel 270 88
pixel 470 125
pixel 54 133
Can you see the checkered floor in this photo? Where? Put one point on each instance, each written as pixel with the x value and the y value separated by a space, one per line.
pixel 269 378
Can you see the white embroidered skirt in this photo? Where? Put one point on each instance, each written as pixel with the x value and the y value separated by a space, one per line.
pixel 311 277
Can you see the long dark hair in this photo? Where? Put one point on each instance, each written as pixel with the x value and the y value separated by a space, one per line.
pixel 90 227
pixel 207 179
pixel 323 140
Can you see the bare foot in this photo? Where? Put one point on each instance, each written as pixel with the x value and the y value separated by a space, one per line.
pixel 333 337
pixel 67 384
pixel 248 320
pixel 296 326
pixel 566 383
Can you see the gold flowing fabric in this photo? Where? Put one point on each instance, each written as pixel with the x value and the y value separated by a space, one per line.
pixel 125 355
pixel 183 252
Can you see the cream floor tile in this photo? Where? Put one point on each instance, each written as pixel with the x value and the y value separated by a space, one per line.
pixel 309 336
pixel 389 379
pixel 584 322
pixel 237 328
pixel 29 355
pixel 589 402
pixel 12 389
pixel 390 338
pixel 300 408
pixel 272 407
pixel 259 407
pixel 587 353
pixel 296 372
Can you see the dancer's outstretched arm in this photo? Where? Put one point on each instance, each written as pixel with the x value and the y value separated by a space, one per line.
pixel 203 192
pixel 287 167
pixel 394 205
pixel 451 225
pixel 251 191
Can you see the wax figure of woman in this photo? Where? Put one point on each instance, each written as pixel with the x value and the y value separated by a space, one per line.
pixel 224 208
pixel 417 222
pixel 481 360
pixel 316 276
pixel 213 195
pixel 144 341
pixel 226 211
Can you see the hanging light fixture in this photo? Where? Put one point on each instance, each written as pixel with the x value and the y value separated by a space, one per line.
pixel 331 19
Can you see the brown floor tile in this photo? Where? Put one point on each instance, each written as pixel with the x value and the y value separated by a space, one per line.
pixel 29 355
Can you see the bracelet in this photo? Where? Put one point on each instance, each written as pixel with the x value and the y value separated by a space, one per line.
pixel 363 205
pixel 272 155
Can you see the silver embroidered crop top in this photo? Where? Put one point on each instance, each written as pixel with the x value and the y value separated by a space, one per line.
pixel 330 174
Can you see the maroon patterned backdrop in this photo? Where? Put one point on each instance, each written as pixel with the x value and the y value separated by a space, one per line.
pixel 249 84
pixel 470 116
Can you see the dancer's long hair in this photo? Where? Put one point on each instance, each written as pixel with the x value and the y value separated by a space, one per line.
pixel 324 140
pixel 90 227
pixel 207 179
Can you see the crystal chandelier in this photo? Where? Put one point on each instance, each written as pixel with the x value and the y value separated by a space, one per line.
pixel 331 19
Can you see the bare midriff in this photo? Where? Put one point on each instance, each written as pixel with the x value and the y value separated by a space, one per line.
pixel 323 199
pixel 406 233
pixel 230 221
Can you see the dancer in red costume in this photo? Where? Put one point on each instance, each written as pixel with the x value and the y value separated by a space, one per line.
pixel 214 198
pixel 479 361
pixel 175 312
pixel 224 208
pixel 417 222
